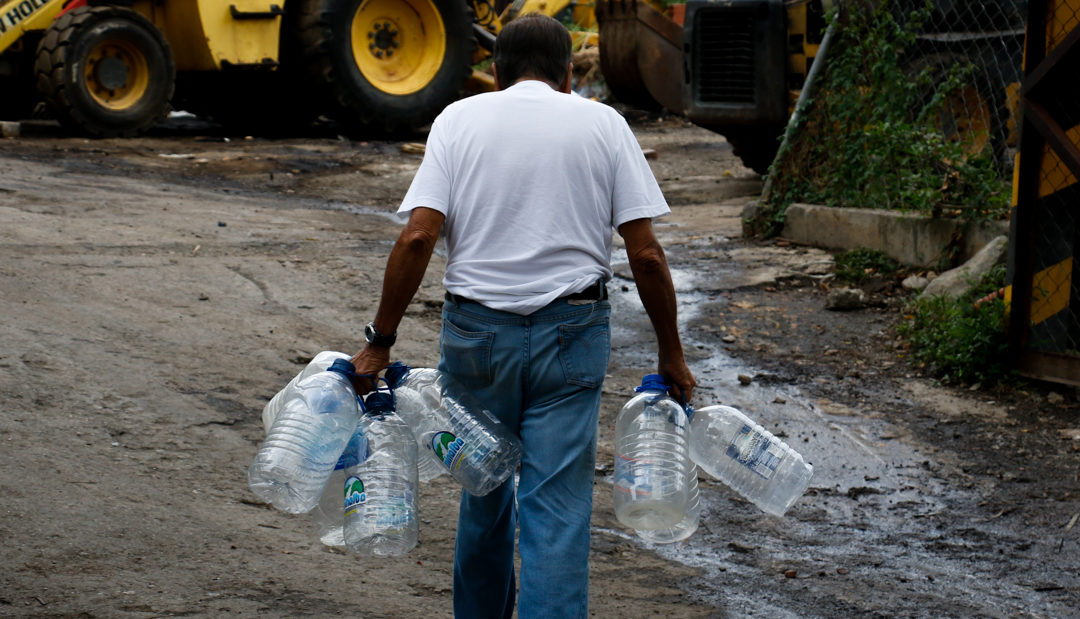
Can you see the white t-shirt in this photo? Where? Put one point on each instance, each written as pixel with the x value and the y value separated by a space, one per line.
pixel 531 181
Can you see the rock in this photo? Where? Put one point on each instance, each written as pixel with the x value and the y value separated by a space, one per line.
pixel 10 129
pixel 745 379
pixel 956 282
pixel 845 299
pixel 728 339
pixel 740 548
pixel 1055 398
pixel 915 282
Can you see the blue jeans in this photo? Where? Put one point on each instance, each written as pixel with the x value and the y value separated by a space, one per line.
pixel 541 375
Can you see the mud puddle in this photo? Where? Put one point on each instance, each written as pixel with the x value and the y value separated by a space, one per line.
pixel 877 524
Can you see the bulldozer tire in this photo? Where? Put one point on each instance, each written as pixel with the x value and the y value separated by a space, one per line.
pixel 387 65
pixel 757 147
pixel 970 115
pixel 106 71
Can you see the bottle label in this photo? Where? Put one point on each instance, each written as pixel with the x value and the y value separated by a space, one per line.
pixel 354 494
pixel 756 452
pixel 395 514
pixel 448 448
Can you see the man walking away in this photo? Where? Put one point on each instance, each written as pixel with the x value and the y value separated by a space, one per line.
pixel 527 184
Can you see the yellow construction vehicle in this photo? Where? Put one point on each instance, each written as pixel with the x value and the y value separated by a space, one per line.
pixel 112 67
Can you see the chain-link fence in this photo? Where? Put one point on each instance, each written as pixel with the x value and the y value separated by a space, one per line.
pixel 915 109
pixel 1045 291
pixel 979 46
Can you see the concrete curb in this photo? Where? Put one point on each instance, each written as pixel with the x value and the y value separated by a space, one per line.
pixel 910 239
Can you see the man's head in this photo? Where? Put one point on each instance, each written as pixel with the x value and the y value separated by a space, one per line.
pixel 535 46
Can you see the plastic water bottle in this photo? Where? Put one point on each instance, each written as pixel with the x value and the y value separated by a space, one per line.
pixel 380 492
pixel 734 449
pixel 306 440
pixel 652 461
pixel 688 525
pixel 328 516
pixel 320 363
pixel 410 406
pixel 453 426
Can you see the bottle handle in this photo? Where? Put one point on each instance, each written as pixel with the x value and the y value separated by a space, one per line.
pixel 381 399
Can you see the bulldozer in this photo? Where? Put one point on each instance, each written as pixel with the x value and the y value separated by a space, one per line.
pixel 113 68
pixel 737 67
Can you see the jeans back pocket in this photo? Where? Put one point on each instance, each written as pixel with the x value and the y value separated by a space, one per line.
pixel 467 354
pixel 584 350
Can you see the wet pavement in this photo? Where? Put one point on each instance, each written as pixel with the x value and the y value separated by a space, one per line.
pixel 890 526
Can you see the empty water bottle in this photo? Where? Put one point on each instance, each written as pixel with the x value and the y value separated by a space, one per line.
pixel 410 406
pixel 652 462
pixel 320 363
pixel 452 425
pixel 380 491
pixel 306 440
pixel 328 516
pixel 731 447
pixel 688 525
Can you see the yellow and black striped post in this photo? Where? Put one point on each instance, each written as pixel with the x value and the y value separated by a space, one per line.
pixel 1044 291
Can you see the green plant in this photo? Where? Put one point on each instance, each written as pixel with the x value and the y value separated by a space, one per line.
pixel 871 134
pixel 961 340
pixel 858 265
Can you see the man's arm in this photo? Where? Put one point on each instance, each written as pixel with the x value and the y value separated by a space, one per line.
pixel 653 279
pixel 404 271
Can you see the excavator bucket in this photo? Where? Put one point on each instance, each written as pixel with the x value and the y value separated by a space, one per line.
pixel 641 54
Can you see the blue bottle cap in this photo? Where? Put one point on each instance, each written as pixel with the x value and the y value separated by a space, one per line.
pixel 396 373
pixel 652 382
pixel 342 366
pixel 378 402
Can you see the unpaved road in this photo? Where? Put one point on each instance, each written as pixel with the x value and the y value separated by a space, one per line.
pixel 156 292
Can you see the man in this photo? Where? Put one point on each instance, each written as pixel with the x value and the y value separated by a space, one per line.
pixel 526 184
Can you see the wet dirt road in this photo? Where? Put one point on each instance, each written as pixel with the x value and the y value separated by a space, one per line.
pixel 156 292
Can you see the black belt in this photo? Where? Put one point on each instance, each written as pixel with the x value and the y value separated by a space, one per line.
pixel 596 292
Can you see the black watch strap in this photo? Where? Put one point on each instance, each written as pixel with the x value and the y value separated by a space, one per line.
pixel 372 335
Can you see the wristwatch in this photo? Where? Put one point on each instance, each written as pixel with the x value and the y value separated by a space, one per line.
pixel 372 335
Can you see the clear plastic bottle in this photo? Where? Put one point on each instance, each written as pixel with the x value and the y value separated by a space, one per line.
pixel 306 440
pixel 380 492
pixel 453 426
pixel 731 447
pixel 320 363
pixel 328 516
pixel 688 525
pixel 410 406
pixel 652 461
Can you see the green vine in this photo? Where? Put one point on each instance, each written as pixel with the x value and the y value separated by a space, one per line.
pixel 872 137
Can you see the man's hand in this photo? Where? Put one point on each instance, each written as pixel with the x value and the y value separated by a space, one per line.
pixel 679 378
pixel 369 362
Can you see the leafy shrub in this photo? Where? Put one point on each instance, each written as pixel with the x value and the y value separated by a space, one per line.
pixel 962 340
